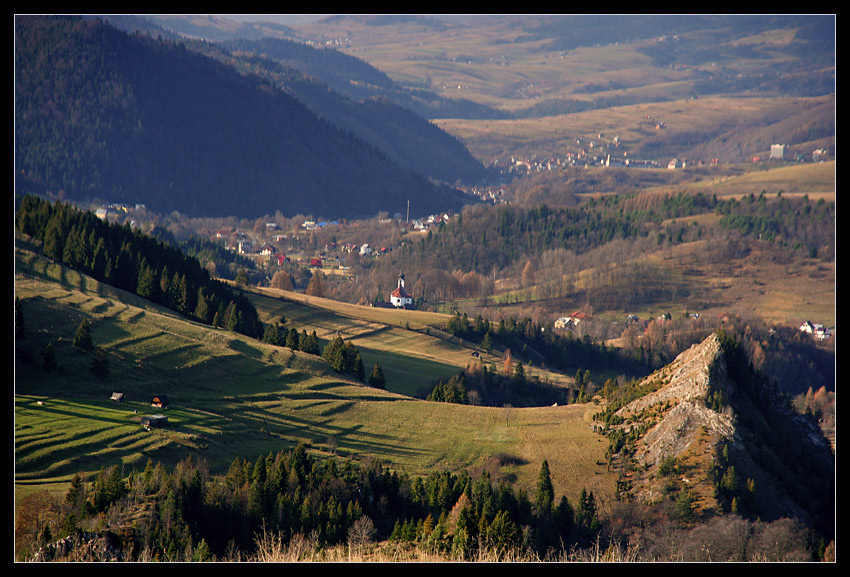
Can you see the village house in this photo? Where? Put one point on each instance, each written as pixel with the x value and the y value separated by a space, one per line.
pixel 160 401
pixel 571 321
pixel 777 151
pixel 818 331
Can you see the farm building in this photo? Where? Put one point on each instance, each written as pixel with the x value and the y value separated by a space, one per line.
pixel 160 401
pixel 118 397
pixel 154 421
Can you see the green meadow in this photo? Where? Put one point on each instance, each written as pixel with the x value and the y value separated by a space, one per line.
pixel 233 396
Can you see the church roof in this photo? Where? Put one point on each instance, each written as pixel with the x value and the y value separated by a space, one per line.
pixel 401 293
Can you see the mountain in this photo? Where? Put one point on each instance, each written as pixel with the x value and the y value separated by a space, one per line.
pixel 707 431
pixel 342 72
pixel 365 102
pixel 129 118
pixel 342 89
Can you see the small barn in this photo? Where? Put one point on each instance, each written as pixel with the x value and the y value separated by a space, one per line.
pixel 117 397
pixel 160 401
pixel 149 421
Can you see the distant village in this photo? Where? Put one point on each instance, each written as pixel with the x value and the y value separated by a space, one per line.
pixel 263 246
pixel 572 323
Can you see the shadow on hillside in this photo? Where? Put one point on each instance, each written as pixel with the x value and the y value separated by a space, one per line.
pixel 316 429
pixel 241 346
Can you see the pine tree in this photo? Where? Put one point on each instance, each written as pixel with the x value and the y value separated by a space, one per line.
pixel 334 353
pixel 203 312
pixel 271 334
pixel 545 490
pixel 519 372
pixel 292 339
pixel 487 342
pixel 100 364
pixel 564 517
pixel 82 338
pixel 54 241
pixel 48 359
pixel 376 378
pixel 357 370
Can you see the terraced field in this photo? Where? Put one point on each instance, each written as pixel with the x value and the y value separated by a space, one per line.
pixel 236 397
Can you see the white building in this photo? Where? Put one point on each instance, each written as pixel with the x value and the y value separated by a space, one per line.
pixel 777 151
pixel 400 298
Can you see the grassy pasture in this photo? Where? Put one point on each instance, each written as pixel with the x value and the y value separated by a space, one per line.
pixel 412 358
pixel 633 124
pixel 236 397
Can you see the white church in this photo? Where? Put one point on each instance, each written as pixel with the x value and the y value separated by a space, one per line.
pixel 400 298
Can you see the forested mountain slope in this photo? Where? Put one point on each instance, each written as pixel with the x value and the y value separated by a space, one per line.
pixel 133 119
pixel 362 101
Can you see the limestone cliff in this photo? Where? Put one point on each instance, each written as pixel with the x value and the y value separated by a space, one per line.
pixel 717 438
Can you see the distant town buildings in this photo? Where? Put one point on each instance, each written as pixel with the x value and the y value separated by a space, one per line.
pixel 777 151
pixel 818 331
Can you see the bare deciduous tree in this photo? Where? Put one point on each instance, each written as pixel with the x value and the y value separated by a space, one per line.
pixel 361 532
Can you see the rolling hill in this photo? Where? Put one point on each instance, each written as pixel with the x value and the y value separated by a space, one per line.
pixel 234 396
pixel 702 436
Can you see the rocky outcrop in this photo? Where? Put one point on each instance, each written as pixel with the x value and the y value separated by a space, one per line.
pixel 703 419
pixel 678 421
pixel 680 402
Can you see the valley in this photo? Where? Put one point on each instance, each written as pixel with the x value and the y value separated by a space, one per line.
pixel 617 233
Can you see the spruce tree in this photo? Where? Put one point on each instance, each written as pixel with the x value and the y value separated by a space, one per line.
pixel 292 339
pixel 48 359
pixel 358 371
pixel 100 364
pixel 376 378
pixel 82 338
pixel 545 490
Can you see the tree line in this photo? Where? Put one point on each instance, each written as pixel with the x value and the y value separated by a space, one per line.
pixel 135 262
pixel 186 514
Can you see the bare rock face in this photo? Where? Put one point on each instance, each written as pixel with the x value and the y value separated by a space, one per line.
pixel 681 424
pixel 692 420
pixel 690 378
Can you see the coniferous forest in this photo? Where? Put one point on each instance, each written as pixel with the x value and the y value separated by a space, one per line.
pixel 291 506
pixel 102 114
pixel 135 262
